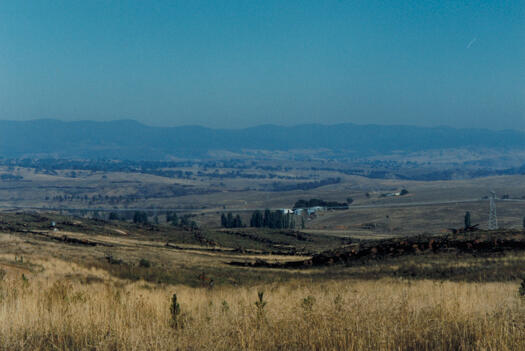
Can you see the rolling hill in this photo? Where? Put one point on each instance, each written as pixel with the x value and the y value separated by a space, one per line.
pixel 127 139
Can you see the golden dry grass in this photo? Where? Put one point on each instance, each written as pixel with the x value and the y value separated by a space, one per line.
pixel 67 307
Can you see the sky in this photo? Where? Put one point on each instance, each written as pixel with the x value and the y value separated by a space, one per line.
pixel 233 64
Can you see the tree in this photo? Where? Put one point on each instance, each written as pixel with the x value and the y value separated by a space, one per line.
pixel 349 200
pixel 467 220
pixel 140 217
pixel 113 216
pixel 175 219
pixel 272 219
pixel 257 219
pixel 172 218
pixel 194 225
pixel 523 222
pixel 237 222
pixel 266 218
pixel 185 221
pixel 229 219
pixel 290 222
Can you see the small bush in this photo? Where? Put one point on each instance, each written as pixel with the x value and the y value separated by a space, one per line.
pixel 308 304
pixel 176 320
pixel 521 289
pixel 144 263
pixel 260 304
pixel 338 301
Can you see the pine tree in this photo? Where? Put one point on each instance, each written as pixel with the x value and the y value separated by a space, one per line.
pixel 229 220
pixel 266 218
pixel 467 220
pixel 140 217
pixel 174 219
pixel 257 219
pixel 237 222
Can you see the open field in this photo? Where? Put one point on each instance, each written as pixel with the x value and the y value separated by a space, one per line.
pixel 207 190
pixel 108 285
pixel 46 313
pixel 384 274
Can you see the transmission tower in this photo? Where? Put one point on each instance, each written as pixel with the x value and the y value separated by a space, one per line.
pixel 493 218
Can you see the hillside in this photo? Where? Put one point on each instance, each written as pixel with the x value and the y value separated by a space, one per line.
pixel 110 285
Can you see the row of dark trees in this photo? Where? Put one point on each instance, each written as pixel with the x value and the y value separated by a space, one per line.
pixel 141 217
pixel 267 219
pixel 318 202
pixel 180 221
pixel 229 221
pixel 272 219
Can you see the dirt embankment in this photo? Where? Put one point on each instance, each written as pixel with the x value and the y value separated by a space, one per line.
pixel 483 243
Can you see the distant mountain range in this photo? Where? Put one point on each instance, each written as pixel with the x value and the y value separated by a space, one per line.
pixel 127 139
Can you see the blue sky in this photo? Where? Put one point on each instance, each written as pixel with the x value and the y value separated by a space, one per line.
pixel 243 63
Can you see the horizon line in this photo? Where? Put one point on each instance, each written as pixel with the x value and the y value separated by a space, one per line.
pixel 441 126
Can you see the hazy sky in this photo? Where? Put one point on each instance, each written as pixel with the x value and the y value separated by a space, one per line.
pixel 241 63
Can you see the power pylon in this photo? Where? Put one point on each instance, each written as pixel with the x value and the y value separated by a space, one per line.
pixel 493 218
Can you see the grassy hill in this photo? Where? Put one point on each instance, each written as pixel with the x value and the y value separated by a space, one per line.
pixel 106 285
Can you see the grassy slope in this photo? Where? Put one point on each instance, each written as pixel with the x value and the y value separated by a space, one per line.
pixel 63 296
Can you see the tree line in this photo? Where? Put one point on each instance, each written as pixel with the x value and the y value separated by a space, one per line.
pixel 267 219
pixel 272 219
pixel 318 202
pixel 229 221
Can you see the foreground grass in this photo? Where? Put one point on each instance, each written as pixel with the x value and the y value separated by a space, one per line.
pixel 55 310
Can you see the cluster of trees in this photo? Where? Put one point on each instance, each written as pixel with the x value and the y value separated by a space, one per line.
pixel 318 202
pixel 180 221
pixel 95 199
pixel 272 219
pixel 140 217
pixel 229 221
pixel 304 186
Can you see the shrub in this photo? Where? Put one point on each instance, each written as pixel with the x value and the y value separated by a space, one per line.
pixel 225 307
pixel 144 263
pixel 308 304
pixel 260 304
pixel 176 320
pixel 521 289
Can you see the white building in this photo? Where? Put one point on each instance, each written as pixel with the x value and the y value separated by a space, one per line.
pixel 298 211
pixel 312 210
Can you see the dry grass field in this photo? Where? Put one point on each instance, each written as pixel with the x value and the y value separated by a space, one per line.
pixel 56 295
pixel 67 307
pixel 95 284
pixel 208 197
